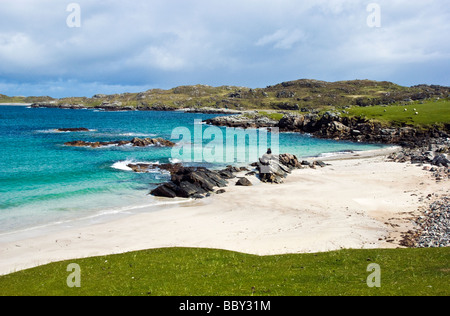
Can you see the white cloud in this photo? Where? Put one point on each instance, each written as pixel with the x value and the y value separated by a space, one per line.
pixel 283 39
pixel 246 42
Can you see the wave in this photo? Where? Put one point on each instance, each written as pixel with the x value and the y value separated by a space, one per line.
pixel 136 135
pixel 55 131
pixel 336 153
pixel 175 160
pixel 123 164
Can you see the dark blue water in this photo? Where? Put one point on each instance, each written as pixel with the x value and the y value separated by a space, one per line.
pixel 42 181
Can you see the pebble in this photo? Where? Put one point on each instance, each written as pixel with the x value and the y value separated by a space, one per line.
pixel 434 226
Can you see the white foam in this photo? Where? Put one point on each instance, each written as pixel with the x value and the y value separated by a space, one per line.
pixel 122 165
pixel 175 160
pixel 337 153
pixel 137 135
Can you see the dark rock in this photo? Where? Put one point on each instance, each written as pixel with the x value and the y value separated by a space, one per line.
pixel 79 129
pixel 188 182
pixel 136 142
pixel 320 163
pixel 221 191
pixel 187 189
pixel 244 182
pixel 165 190
pixel 441 160
pixel 145 168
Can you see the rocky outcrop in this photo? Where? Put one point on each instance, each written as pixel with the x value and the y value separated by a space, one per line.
pixel 275 168
pixel 77 129
pixel 435 161
pixel 190 182
pixel 333 126
pixel 197 182
pixel 243 121
pixel 207 110
pixel 135 142
pixel 147 167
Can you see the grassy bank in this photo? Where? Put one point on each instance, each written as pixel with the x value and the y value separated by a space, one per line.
pixel 417 114
pixel 198 272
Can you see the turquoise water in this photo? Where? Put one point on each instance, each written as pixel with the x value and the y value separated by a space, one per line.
pixel 43 181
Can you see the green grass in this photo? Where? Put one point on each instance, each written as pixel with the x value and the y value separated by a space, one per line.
pixel 203 272
pixel 429 113
pixel 272 115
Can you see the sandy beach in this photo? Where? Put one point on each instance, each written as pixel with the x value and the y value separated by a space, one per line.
pixel 359 201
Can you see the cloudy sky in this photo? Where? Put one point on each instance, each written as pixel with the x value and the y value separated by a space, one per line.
pixel 131 46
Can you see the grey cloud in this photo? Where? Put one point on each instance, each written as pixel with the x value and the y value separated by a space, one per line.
pixel 165 43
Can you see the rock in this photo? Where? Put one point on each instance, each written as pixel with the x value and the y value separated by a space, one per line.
pixel 145 168
pixel 187 189
pixel 271 169
pixel 136 142
pixel 441 160
pixel 165 190
pixel 160 142
pixel 221 191
pixel 188 182
pixel 320 163
pixel 244 182
pixel 79 129
pixel 290 161
pixel 243 121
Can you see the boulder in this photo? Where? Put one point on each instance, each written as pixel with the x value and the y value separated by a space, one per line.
pixel 441 160
pixel 188 182
pixel 165 190
pixel 271 169
pixel 290 161
pixel 244 182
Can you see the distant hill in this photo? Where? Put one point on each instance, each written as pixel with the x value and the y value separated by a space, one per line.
pixel 298 95
pixel 21 99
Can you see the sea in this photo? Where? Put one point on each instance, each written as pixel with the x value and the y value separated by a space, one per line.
pixel 45 184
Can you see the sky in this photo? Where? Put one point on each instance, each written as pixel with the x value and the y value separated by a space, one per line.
pixel 80 48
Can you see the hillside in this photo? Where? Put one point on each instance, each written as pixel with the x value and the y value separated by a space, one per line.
pixel 21 99
pixel 299 95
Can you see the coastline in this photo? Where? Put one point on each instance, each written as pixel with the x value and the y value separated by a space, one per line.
pixel 360 201
pixel 16 104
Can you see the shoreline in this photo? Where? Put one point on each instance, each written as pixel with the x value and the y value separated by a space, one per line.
pixel 16 104
pixel 360 201
pixel 110 214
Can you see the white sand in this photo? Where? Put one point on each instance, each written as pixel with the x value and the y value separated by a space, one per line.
pixel 356 203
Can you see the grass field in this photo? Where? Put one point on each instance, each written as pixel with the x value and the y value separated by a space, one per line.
pixel 203 272
pixel 429 113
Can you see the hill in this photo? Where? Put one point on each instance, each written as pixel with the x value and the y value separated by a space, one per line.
pixel 298 95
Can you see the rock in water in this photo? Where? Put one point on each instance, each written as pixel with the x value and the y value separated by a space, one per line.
pixel 78 129
pixel 145 167
pixel 136 142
